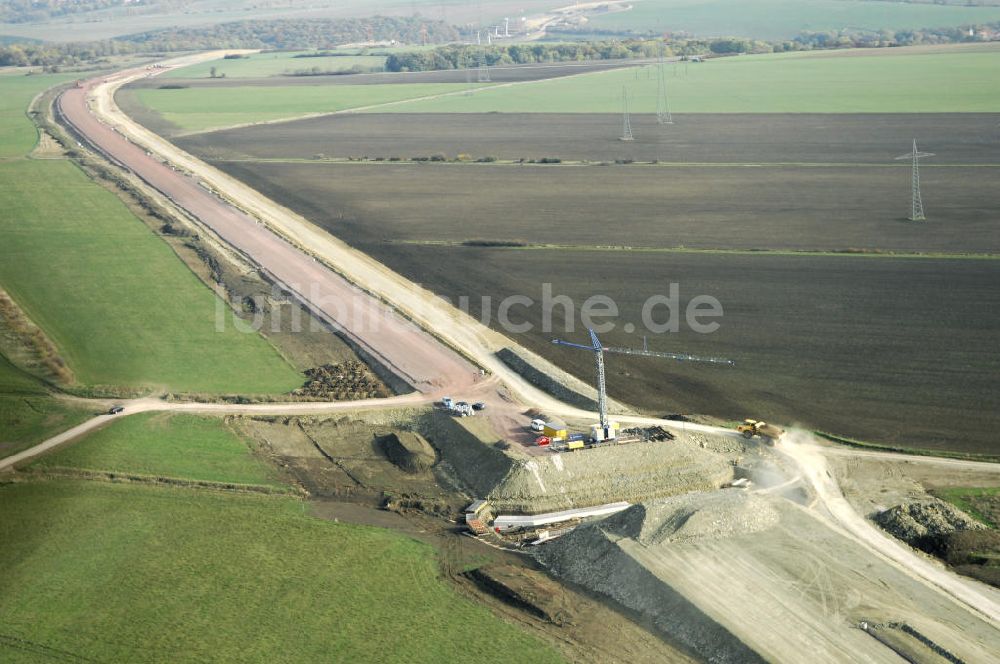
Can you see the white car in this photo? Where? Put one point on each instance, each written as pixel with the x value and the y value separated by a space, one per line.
pixel 537 425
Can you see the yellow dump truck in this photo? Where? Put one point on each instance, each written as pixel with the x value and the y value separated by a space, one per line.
pixel 767 432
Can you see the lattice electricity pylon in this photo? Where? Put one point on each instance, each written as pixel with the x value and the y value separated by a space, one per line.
pixel 916 202
pixel 483 75
pixel 626 121
pixel 662 104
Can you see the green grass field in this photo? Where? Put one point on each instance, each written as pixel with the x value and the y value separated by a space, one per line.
pixel 981 502
pixel 17 134
pixel 879 81
pixel 114 298
pixel 783 19
pixel 166 445
pixel 93 571
pixel 28 414
pixel 259 65
pixel 198 109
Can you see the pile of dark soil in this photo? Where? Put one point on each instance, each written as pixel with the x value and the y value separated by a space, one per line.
pixel 526 589
pixel 342 382
pixel 408 450
pixel 974 553
pixel 411 502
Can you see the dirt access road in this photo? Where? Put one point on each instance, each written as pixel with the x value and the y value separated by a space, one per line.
pixel 136 406
pixel 806 452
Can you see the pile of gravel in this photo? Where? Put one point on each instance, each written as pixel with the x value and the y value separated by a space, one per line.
pixel 922 523
pixel 691 517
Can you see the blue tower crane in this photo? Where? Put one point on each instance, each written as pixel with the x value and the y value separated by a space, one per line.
pixel 596 347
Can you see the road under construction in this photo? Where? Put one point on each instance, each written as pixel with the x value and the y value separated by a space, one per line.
pixel 436 349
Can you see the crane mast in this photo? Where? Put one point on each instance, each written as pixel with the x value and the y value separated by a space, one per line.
pixel 600 349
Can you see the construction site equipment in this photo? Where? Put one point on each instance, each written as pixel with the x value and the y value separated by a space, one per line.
pixel 462 409
pixel 575 445
pixel 555 429
pixel 601 432
pixel 543 536
pixel 606 430
pixel 476 516
pixel 767 432
pixel 475 507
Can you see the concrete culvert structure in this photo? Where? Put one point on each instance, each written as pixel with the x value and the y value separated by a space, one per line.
pixel 408 450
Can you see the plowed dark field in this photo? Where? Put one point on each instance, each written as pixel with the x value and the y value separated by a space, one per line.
pixel 777 207
pixel 901 351
pixel 897 350
pixel 955 138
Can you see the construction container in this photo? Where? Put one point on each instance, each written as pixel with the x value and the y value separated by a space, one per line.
pixel 599 433
pixel 555 429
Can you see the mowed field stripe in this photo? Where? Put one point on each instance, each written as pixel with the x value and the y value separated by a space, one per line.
pixel 464 91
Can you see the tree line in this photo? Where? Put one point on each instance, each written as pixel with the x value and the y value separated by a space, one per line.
pixel 288 34
pixel 461 56
pixel 285 34
pixel 297 34
pixel 53 56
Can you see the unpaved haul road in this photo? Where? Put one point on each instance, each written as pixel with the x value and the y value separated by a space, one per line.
pixel 136 406
pixel 809 456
